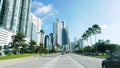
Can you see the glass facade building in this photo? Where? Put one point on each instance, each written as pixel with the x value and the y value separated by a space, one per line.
pixel 15 16
pixel 35 28
pixel 1 2
pixel 60 34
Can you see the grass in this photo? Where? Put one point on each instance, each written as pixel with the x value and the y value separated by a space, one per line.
pixel 97 56
pixel 16 56
pixel 100 56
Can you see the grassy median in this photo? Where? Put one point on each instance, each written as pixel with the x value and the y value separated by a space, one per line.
pixel 13 56
pixel 102 56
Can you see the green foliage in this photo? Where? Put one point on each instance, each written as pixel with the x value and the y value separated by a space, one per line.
pixel 0 47
pixel 76 46
pixel 103 46
pixel 52 51
pixel 58 46
pixel 100 45
pixel 118 48
pixel 6 47
pixel 24 47
pixel 16 41
pixel 42 31
pixel 32 46
pixel 88 50
pixel 96 29
pixel 32 42
pixel 111 47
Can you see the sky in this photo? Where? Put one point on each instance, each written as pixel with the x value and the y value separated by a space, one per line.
pixel 79 15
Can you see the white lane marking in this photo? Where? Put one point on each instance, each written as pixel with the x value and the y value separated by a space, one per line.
pixel 75 62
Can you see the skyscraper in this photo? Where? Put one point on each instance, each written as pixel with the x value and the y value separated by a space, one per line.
pixel 60 34
pixel 15 15
pixel 6 14
pixel 51 40
pixel 35 24
pixel 1 2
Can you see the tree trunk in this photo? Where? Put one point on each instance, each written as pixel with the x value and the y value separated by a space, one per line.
pixel 96 45
pixel 90 41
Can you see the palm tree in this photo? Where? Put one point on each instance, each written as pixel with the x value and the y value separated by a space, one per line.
pixel 16 40
pixel 85 37
pixel 90 31
pixel 88 35
pixel 96 30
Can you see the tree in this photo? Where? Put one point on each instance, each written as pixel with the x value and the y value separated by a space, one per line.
pixel 32 46
pixel 111 47
pixel 0 47
pixel 24 48
pixel 90 31
pixel 88 50
pixel 58 46
pixel 96 30
pixel 85 37
pixel 16 40
pixel 42 49
pixel 101 46
pixel 42 31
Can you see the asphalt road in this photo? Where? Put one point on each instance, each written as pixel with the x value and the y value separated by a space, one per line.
pixel 87 62
pixel 58 61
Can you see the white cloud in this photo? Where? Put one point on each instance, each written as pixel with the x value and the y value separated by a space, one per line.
pixel 46 27
pixel 42 10
pixel 103 26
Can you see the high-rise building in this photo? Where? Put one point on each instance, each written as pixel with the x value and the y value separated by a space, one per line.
pixel 35 28
pixel 54 34
pixel 46 42
pixel 1 2
pixel 57 29
pixel 51 40
pixel 15 16
pixel 60 34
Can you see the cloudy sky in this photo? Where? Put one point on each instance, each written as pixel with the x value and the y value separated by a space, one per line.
pixel 79 15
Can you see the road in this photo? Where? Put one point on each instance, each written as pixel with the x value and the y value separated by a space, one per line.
pixel 87 62
pixel 57 61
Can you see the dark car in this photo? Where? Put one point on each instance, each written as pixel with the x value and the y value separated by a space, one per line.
pixel 62 53
pixel 112 62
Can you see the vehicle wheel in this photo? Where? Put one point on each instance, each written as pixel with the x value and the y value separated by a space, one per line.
pixel 104 66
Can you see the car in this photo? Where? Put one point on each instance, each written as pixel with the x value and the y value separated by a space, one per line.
pixel 112 62
pixel 62 53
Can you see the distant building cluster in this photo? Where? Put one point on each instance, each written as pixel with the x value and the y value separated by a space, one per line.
pixel 15 16
pixel 58 39
pixel 61 34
